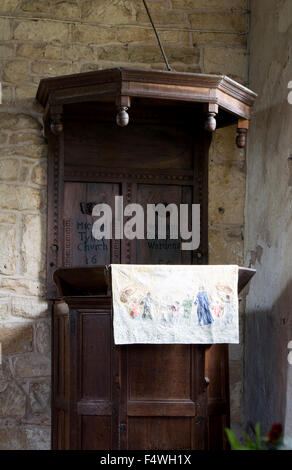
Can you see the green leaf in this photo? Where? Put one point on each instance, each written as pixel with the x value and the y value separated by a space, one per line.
pixel 235 445
pixel 258 436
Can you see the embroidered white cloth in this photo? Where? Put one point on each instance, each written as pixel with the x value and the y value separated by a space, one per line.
pixel 175 304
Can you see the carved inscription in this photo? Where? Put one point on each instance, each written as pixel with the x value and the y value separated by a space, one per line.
pixel 92 251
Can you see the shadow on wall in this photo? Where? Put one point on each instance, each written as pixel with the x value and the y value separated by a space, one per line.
pixel 267 369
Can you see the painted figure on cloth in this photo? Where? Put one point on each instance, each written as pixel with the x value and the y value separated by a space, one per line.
pixel 126 294
pixel 134 311
pixel 228 309
pixel 176 311
pixel 217 310
pixel 187 306
pixel 203 309
pixel 147 306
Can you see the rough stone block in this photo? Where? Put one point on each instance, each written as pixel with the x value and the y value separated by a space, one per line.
pixel 3 137
pixel 220 39
pixel 16 71
pixel 8 250
pixel 43 337
pixel 31 50
pixel 91 34
pixel 225 244
pixel 229 61
pixel 233 22
pixel 53 52
pixel 26 92
pixel 7 218
pixel 9 169
pixel 16 338
pixel 79 52
pixel 214 4
pixel 12 399
pixel 226 193
pixel 94 66
pixel 39 395
pixel 25 438
pixel 134 34
pixel 4 309
pixel 186 55
pixel 29 307
pixel 21 286
pixel 39 174
pixel 6 51
pixel 164 18
pixel 25 138
pixel 8 6
pixel 7 94
pixel 29 151
pixel 66 10
pixel 52 68
pixel 224 148
pixel 24 173
pixel 5 30
pixel 31 365
pixel 20 197
pixel 31 6
pixel 33 245
pixel 41 30
pixel 99 11
pixel 18 121
pixel 116 52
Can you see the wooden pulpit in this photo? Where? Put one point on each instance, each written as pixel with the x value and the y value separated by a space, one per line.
pixel 143 136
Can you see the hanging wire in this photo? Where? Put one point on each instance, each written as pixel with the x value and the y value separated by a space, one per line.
pixel 157 37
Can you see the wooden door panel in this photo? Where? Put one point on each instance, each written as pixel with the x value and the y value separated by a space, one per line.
pixel 81 248
pixel 164 251
pixel 135 146
pixel 96 433
pixel 161 388
pixel 96 357
pixel 151 370
pixel 94 405
pixel 160 433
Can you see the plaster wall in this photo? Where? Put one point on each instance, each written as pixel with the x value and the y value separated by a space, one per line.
pixel 268 218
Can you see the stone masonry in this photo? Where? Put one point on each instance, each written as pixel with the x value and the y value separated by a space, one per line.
pixel 42 38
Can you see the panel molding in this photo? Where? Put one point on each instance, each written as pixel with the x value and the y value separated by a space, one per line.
pixel 137 175
pixel 94 408
pixel 186 408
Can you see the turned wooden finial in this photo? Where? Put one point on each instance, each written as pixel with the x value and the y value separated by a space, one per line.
pixel 241 137
pixel 122 117
pixel 123 103
pixel 210 123
pixel 211 110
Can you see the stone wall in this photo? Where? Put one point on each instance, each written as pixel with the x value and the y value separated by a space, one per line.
pixel 268 375
pixel 41 38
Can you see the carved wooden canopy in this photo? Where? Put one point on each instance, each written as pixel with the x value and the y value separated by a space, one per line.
pixel 223 100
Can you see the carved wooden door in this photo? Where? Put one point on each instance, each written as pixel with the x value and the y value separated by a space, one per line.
pixel 163 399
pixel 131 397
pixel 161 402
